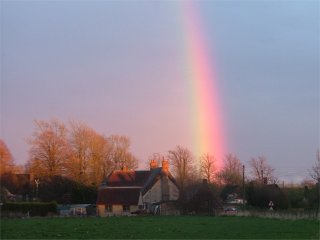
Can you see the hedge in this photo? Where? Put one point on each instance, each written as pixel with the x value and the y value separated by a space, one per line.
pixel 34 208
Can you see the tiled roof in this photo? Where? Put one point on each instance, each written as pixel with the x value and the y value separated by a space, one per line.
pixel 127 178
pixel 119 196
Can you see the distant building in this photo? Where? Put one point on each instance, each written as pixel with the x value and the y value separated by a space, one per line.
pixel 77 210
pixel 125 192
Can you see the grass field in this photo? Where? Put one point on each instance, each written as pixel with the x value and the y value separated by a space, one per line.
pixel 159 227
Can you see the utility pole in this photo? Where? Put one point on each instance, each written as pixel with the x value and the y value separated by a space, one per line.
pixel 243 189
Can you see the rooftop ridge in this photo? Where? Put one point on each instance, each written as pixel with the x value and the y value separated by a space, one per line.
pixel 147 170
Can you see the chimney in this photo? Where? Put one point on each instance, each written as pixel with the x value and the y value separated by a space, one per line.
pixel 153 164
pixel 125 169
pixel 165 165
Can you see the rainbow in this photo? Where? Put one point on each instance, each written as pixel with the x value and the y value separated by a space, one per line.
pixel 206 114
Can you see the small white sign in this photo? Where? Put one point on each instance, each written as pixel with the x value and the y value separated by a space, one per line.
pixel 271 205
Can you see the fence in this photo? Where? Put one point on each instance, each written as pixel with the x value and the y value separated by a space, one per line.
pixel 288 214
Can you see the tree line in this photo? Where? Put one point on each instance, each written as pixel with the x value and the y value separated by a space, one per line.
pixel 75 151
pixel 71 160
pixel 80 153
pixel 189 171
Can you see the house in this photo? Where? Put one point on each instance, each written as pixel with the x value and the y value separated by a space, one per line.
pixel 126 191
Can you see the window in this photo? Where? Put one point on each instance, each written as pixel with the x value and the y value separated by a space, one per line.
pixel 109 208
pixel 143 207
pixel 126 208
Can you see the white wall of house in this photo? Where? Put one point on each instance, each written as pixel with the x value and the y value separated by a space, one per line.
pixel 155 195
pixel 173 191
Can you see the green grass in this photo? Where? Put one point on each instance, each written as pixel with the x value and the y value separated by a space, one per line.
pixel 159 227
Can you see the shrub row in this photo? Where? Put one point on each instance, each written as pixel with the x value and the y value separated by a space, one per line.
pixel 34 208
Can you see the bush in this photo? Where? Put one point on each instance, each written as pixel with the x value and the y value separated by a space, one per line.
pixel 65 191
pixel 312 196
pixel 34 208
pixel 260 196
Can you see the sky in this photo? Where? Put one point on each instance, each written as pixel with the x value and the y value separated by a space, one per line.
pixel 119 67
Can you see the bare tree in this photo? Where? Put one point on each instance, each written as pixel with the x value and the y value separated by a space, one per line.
pixel 100 164
pixel 207 166
pixel 49 148
pixel 91 154
pixel 315 170
pixel 80 152
pixel 89 160
pixel 231 173
pixel 83 155
pixel 261 171
pixel 6 159
pixel 181 160
pixel 120 154
pixel 81 142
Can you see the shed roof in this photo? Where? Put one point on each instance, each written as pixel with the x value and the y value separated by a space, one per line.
pixel 119 196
